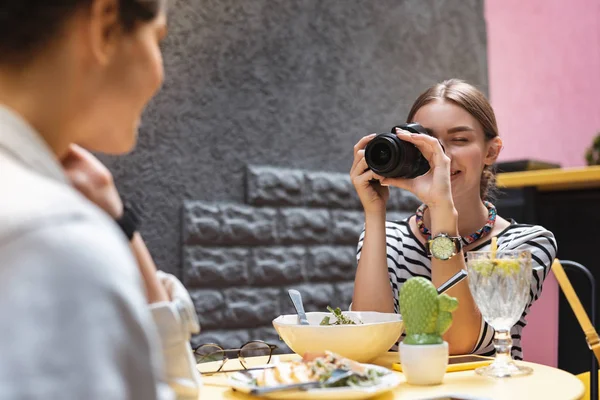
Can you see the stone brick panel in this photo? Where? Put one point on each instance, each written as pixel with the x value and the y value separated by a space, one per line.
pixel 397 215
pixel 214 224
pixel 330 190
pixel 331 263
pixel 210 306
pixel 248 225
pixel 347 226
pixel 402 200
pixel 202 223
pixel 269 186
pixel 343 293
pixel 215 266
pixel 250 307
pixel 299 230
pixel 277 265
pixel 303 225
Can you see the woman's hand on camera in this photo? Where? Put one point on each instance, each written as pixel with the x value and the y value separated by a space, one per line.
pixel 434 187
pixel 372 195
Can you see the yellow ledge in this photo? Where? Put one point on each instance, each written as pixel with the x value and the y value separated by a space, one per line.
pixel 552 179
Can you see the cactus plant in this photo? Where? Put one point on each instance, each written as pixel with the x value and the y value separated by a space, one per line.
pixel 426 315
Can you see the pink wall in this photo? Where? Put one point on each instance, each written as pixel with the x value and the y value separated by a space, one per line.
pixel 544 75
pixel 540 336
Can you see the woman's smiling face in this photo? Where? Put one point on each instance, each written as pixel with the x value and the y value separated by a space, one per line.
pixel 464 143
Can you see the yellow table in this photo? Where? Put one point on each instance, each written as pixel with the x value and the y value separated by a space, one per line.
pixel 544 383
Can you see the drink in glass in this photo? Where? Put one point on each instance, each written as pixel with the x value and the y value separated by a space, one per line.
pixel 500 285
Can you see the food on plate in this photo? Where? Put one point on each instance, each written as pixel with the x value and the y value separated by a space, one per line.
pixel 340 319
pixel 317 367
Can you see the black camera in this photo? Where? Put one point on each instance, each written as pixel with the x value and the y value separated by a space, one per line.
pixel 390 157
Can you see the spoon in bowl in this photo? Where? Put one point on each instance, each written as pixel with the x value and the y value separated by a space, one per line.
pixel 297 301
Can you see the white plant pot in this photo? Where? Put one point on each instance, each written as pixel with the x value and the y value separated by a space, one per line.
pixel 424 364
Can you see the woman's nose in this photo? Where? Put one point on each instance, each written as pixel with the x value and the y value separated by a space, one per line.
pixel 447 149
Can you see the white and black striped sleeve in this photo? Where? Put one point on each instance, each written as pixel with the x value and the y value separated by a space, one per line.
pixel 406 257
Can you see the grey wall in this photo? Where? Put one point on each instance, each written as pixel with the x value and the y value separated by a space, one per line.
pixel 282 83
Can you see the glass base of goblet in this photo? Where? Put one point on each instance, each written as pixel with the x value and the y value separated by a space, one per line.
pixel 504 370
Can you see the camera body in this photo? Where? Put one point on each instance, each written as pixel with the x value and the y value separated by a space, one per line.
pixel 391 157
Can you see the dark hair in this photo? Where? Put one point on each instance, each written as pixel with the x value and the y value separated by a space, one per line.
pixel 27 26
pixel 475 103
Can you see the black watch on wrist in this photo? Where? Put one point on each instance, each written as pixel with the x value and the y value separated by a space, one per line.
pixel 129 221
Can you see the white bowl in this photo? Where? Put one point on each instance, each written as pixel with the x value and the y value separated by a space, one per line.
pixel 362 342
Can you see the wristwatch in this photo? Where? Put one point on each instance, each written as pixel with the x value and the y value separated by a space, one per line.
pixel 443 246
pixel 129 221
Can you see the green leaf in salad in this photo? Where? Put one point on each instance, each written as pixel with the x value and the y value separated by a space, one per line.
pixel 340 319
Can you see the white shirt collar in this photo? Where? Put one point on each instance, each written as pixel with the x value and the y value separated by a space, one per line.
pixel 20 141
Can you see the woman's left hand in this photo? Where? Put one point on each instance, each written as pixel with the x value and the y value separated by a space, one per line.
pixel 432 188
pixel 90 177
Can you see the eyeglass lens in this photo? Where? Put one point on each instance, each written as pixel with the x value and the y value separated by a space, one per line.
pixel 210 353
pixel 253 354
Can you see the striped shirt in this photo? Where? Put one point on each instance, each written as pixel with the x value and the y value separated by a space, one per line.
pixel 407 258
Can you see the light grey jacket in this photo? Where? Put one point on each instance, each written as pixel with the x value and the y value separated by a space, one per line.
pixel 74 322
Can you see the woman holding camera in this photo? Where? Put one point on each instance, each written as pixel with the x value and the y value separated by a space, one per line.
pixel 461 146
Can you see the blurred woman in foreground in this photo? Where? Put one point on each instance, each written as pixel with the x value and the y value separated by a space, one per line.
pixel 73 303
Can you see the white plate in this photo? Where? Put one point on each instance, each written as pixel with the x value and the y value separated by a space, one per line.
pixel 386 383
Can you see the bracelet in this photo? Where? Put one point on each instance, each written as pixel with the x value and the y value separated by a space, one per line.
pixel 129 221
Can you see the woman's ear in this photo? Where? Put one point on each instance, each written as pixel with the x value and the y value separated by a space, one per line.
pixel 104 29
pixel 494 147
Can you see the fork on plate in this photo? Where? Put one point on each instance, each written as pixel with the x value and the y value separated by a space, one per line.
pixel 336 376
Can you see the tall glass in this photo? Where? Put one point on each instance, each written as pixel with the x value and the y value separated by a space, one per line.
pixel 500 286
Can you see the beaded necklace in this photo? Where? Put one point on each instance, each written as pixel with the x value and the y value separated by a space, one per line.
pixel 484 230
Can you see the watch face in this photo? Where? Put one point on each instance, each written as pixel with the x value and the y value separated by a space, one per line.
pixel 442 248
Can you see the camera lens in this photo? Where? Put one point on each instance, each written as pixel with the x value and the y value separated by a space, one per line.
pixel 381 154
